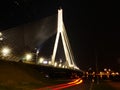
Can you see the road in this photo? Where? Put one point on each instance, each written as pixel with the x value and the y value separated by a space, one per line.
pixel 80 84
pixel 76 84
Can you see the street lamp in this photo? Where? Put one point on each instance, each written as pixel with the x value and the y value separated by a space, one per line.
pixel 28 56
pixel 1 36
pixel 63 66
pixel 41 60
pixel 105 69
pixel 60 65
pixel 45 62
pixel 55 64
pixel 6 51
pixel 50 62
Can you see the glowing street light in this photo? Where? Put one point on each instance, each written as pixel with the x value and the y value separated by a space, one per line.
pixel 28 56
pixel 41 60
pixel 60 65
pixel 0 34
pixel 5 51
pixel 50 62
pixel 66 66
pixel 55 64
pixel 63 66
pixel 117 73
pixel 109 70
pixel 105 69
pixel 45 62
pixel 1 38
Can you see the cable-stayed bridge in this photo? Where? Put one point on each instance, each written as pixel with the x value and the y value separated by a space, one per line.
pixel 61 32
pixel 61 35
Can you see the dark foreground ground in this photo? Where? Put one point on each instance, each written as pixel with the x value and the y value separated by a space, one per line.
pixel 21 76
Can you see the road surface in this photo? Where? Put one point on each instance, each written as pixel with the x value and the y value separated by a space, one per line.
pixel 80 84
pixel 76 84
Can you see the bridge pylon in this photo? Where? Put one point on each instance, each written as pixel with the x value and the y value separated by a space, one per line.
pixel 65 41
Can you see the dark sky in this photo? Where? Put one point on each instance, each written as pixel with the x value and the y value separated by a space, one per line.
pixel 92 26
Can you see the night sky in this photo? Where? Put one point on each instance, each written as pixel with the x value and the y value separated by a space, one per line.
pixel 92 26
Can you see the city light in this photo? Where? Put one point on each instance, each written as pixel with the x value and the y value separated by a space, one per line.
pixel 105 69
pixel 60 65
pixel 45 62
pixel 41 60
pixel 55 64
pixel 28 56
pixel 117 73
pixel 1 38
pixel 63 66
pixel 6 51
pixel 1 34
pixel 66 66
pixel 50 62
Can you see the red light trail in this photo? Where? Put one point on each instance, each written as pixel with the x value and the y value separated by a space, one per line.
pixel 62 86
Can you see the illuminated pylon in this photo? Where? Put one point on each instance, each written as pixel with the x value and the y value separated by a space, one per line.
pixel 66 45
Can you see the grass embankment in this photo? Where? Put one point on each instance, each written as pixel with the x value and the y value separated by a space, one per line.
pixel 20 76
